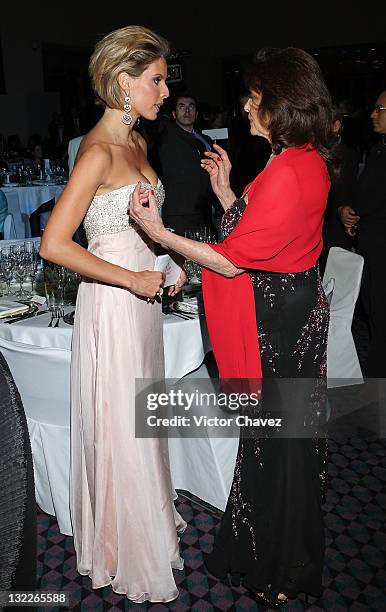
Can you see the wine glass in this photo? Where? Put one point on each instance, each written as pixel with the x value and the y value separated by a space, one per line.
pixel 64 277
pixel 33 262
pixel 52 288
pixel 192 268
pixel 7 266
pixel 21 263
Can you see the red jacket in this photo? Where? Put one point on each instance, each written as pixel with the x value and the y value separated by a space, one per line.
pixel 280 231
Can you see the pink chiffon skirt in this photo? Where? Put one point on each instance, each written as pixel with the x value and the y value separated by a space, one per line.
pixel 122 501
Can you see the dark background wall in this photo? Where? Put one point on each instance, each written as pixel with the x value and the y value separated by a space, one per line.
pixel 46 46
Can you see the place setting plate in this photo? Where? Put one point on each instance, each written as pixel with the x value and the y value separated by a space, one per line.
pixel 12 317
pixel 185 308
pixel 189 306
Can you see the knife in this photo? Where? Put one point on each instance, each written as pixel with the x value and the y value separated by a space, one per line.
pixel 27 316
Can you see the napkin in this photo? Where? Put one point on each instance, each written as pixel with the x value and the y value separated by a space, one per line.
pixel 167 265
pixel 8 309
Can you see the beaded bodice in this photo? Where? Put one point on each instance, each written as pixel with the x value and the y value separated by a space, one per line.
pixel 109 213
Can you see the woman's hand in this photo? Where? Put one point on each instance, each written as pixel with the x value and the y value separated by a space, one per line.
pixel 174 289
pixel 218 167
pixel 146 284
pixel 143 209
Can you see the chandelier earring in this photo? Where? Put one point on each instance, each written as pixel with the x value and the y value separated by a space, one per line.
pixel 126 117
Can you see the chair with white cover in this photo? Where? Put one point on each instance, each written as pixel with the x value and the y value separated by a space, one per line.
pixel 3 210
pixel 20 219
pixel 9 230
pixel 217 454
pixel 346 269
pixel 42 376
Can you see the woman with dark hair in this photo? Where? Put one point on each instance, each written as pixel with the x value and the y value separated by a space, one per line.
pixel 268 318
pixel 35 148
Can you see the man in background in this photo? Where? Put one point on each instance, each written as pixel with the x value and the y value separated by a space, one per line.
pixel 369 214
pixel 176 157
pixel 341 195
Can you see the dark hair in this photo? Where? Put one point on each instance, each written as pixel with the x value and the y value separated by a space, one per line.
pixel 182 94
pixel 296 105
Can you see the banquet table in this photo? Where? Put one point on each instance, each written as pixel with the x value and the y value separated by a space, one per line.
pixel 39 359
pixel 24 200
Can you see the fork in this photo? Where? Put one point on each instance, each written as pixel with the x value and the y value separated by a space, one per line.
pixel 60 314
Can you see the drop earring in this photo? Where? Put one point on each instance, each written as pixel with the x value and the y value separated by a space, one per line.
pixel 126 117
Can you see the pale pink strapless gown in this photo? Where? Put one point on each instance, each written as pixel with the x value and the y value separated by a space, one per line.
pixel 124 520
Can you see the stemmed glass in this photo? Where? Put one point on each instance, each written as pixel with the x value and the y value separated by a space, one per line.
pixel 7 266
pixel 71 285
pixel 33 262
pixel 63 279
pixel 21 262
pixel 193 269
pixel 53 291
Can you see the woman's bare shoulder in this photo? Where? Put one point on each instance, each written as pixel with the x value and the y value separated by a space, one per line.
pixel 94 148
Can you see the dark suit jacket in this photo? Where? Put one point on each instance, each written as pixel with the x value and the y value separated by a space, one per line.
pixel 176 157
pixel 370 195
pixel 342 192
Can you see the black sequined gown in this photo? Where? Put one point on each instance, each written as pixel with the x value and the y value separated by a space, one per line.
pixel 272 529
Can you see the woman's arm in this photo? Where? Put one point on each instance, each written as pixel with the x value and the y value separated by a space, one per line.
pixel 144 211
pixel 57 245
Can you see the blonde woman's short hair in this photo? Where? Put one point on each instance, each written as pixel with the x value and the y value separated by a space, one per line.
pixel 131 49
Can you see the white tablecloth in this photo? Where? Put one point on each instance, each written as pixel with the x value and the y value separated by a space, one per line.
pixel 31 196
pixel 186 341
pixel 39 359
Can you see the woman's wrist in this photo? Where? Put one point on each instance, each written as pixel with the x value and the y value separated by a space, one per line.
pixel 129 280
pixel 163 237
pixel 226 199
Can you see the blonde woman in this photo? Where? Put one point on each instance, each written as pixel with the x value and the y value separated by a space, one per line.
pixel 124 521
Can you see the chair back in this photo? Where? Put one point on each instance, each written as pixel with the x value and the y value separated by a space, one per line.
pixel 73 147
pixel 38 219
pixel 3 209
pixel 346 269
pixel 14 209
pixel 9 231
pixel 42 376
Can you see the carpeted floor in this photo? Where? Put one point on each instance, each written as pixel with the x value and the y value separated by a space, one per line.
pixel 355 518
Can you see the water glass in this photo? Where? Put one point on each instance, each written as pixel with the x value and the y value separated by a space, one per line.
pixel 33 262
pixel 193 269
pixel 21 268
pixel 52 287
